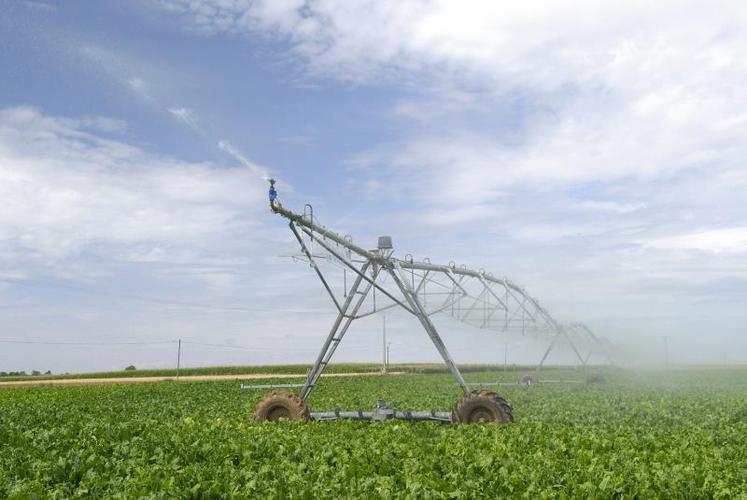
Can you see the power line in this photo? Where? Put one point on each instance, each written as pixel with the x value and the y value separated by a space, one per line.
pixel 45 342
pixel 167 342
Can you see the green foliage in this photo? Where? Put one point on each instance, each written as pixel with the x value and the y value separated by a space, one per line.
pixel 673 435
pixel 132 371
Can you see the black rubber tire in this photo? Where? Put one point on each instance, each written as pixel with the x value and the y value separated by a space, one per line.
pixel 281 405
pixel 481 407
pixel 528 380
pixel 595 378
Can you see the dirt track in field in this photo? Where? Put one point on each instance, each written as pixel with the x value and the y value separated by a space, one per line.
pixel 184 378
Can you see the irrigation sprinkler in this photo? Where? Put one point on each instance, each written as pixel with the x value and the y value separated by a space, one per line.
pixel 381 281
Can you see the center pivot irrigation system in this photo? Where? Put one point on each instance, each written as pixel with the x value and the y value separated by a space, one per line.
pixel 382 281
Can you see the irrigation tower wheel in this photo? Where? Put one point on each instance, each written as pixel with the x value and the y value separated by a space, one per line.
pixel 527 380
pixel 281 405
pixel 479 407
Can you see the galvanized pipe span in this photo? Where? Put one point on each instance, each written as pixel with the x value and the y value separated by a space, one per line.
pixel 370 266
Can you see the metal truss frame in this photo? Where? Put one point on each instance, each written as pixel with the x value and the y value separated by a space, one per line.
pixel 423 289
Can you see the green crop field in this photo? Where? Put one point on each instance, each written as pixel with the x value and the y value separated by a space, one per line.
pixel 679 434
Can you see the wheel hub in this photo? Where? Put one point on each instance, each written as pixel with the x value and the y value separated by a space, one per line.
pixel 480 415
pixel 278 413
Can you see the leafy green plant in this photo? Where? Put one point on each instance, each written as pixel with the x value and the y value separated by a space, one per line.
pixel 677 435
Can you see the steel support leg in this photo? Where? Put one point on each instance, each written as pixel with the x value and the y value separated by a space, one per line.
pixel 547 352
pixel 335 335
pixel 336 341
pixel 573 346
pixel 429 327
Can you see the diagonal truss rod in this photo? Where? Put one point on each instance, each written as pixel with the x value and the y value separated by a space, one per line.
pixel 535 313
pixel 311 228
pixel 315 266
pixel 590 339
pixel 350 265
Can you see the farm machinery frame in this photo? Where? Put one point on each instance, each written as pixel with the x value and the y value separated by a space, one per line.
pixel 422 289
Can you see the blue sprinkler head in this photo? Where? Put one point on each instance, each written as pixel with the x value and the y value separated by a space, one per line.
pixel 273 193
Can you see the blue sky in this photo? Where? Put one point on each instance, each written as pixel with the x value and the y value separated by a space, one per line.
pixel 593 154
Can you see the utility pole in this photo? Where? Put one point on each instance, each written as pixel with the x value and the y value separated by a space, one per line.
pixel 178 359
pixel 383 344
pixel 388 345
pixel 505 358
pixel 666 352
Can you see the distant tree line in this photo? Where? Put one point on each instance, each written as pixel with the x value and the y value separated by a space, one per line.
pixel 23 373
pixel 48 372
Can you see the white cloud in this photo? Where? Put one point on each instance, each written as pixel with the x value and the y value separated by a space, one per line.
pixel 611 91
pixel 732 239
pixel 68 191
pixel 610 206
pixel 450 217
pixel 103 240
pixel 580 135
pixel 40 6
pixel 551 44
pixel 186 115
pixel 138 85
pixel 156 84
pixel 637 105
